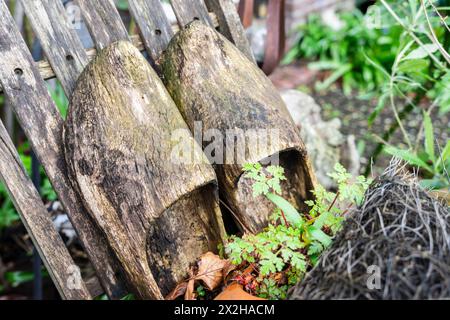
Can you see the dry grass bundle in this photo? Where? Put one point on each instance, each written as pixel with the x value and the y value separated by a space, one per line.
pixel 396 246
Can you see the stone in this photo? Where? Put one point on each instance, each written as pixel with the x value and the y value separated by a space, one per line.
pixel 324 142
pixel 257 36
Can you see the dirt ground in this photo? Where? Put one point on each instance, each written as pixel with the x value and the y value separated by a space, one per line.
pixel 354 112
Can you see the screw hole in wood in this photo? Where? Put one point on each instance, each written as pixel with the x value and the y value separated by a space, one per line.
pixel 18 72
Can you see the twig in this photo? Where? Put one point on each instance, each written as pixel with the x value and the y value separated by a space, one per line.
pixel 440 16
pixel 391 92
pixel 433 37
pixel 235 216
pixel 284 218
pixel 347 210
pixel 334 201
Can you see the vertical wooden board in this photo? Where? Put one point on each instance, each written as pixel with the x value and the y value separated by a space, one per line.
pixel 154 26
pixel 38 223
pixel 42 123
pixel 60 42
pixel 103 21
pixel 230 24
pixel 188 10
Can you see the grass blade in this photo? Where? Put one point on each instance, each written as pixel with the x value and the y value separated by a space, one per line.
pixel 429 137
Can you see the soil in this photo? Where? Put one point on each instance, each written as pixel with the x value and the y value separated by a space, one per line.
pixel 354 112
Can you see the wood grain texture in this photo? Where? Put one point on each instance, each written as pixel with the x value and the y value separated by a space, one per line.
pixel 187 11
pixel 37 221
pixel 159 215
pixel 153 24
pixel 42 123
pixel 103 21
pixel 213 82
pixel 230 24
pixel 61 44
pixel 46 71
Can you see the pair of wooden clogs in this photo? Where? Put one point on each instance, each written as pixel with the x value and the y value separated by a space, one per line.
pixel 143 176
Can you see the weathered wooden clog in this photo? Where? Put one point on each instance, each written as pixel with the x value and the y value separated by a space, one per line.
pixel 158 215
pixel 218 89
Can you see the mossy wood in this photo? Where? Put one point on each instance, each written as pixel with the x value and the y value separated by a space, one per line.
pixel 212 82
pixel 158 215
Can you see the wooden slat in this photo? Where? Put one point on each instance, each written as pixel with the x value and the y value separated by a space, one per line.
pixel 38 223
pixel 42 123
pixel 47 72
pixel 230 24
pixel 188 10
pixel 103 21
pixel 154 26
pixel 245 11
pixel 276 36
pixel 61 44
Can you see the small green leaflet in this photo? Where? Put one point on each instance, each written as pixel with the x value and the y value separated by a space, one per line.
pixel 422 51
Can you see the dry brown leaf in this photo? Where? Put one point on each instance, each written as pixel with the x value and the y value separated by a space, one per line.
pixel 235 292
pixel 190 295
pixel 177 292
pixel 210 268
pixel 227 269
pixel 248 270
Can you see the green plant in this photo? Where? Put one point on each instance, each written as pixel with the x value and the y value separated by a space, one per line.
pixel 434 166
pixel 122 5
pixel 420 70
pixel 293 241
pixel 8 214
pixel 129 296
pixel 16 278
pixel 344 52
pixel 418 73
pixel 60 99
pixel 367 57
pixel 402 60
pixel 201 291
pixel 418 67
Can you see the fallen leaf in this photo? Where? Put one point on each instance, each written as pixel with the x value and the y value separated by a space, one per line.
pixel 227 269
pixel 248 270
pixel 190 295
pixel 177 292
pixel 210 268
pixel 235 292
